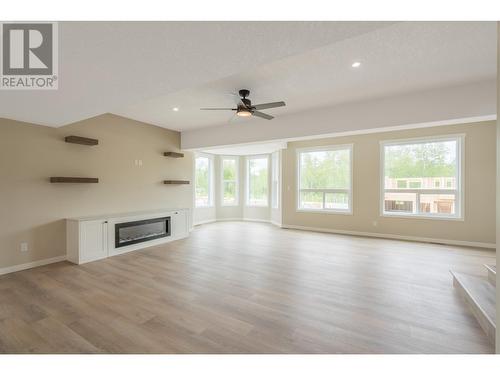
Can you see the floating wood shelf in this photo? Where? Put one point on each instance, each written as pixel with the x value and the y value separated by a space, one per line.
pixel 81 140
pixel 79 180
pixel 176 182
pixel 172 154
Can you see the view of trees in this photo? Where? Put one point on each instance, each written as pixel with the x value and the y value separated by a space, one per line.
pixel 202 181
pixel 257 181
pixel 325 169
pixel 229 180
pixel 433 159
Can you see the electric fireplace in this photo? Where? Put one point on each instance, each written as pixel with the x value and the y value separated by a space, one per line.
pixel 142 230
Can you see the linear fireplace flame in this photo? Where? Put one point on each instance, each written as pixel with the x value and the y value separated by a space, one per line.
pixel 142 230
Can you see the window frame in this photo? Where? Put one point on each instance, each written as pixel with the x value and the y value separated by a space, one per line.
pixel 334 211
pixel 459 191
pixel 236 181
pixel 275 180
pixel 210 158
pixel 247 180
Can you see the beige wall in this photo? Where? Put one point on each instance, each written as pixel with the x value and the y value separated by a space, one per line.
pixel 480 169
pixel 33 210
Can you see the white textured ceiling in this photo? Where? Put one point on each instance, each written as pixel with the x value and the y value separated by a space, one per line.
pixel 114 66
pixel 398 58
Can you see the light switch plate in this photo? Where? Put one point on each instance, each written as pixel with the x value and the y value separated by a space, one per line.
pixel 24 246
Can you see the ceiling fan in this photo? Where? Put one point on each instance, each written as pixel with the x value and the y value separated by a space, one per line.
pixel 246 109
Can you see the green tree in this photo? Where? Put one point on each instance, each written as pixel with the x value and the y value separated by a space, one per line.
pixel 258 180
pixel 325 170
pixel 201 177
pixel 437 159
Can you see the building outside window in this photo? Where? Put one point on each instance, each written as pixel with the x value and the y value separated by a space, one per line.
pixel 422 177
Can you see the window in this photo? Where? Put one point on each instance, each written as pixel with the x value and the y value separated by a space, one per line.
pixel 415 184
pixel 203 181
pixel 257 181
pixel 229 183
pixel 325 179
pixel 275 179
pixel 432 168
pixel 402 184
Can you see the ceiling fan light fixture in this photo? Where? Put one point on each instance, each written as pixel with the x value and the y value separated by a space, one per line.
pixel 246 109
pixel 243 113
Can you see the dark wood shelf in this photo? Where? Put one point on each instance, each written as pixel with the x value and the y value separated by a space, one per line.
pixel 81 140
pixel 78 180
pixel 172 154
pixel 176 182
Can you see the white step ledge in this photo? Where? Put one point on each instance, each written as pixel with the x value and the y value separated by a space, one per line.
pixel 480 295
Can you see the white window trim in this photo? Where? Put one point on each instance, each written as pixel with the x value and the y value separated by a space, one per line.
pixel 247 180
pixel 349 211
pixel 237 181
pixel 276 156
pixel 211 179
pixel 460 191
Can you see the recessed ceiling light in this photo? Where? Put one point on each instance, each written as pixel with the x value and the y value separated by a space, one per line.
pixel 356 64
pixel 175 109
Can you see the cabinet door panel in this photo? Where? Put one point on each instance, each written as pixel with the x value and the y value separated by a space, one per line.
pixel 179 224
pixel 93 240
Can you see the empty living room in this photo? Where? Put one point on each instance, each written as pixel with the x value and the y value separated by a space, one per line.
pixel 242 188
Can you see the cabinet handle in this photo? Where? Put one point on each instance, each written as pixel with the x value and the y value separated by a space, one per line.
pixel 105 222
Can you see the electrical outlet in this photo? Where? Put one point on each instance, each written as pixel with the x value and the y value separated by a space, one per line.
pixel 24 246
pixel 375 223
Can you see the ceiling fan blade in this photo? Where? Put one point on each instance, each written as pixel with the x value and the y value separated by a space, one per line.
pixel 218 109
pixel 262 115
pixel 233 118
pixel 237 100
pixel 269 105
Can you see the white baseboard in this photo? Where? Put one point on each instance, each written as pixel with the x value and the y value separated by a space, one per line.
pixel 37 263
pixel 204 222
pixel 256 220
pixel 393 236
pixel 241 219
pixel 280 225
